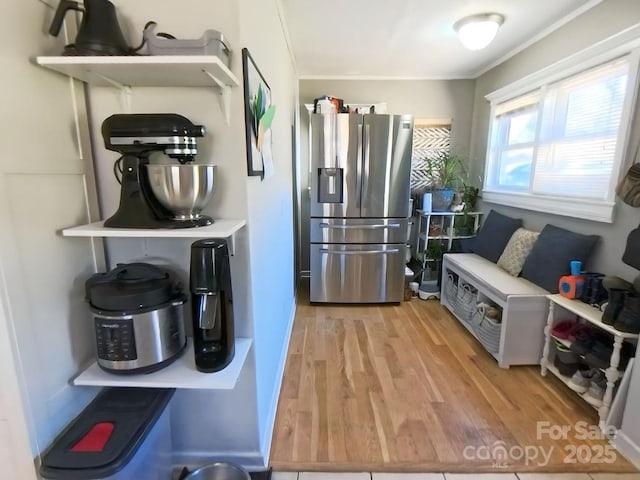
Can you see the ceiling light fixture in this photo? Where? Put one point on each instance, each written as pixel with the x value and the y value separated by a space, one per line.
pixel 477 31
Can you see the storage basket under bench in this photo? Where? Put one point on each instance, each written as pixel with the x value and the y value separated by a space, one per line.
pixel 518 338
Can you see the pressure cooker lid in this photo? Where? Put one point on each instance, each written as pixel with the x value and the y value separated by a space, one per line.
pixel 130 287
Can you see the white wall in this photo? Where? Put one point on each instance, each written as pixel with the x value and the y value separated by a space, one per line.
pixel 448 99
pixel 604 20
pixel 270 210
pixel 628 438
pixel 15 451
pixel 43 188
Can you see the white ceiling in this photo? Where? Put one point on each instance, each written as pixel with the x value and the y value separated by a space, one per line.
pixel 412 38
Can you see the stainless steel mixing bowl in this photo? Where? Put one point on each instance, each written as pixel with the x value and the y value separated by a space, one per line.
pixel 219 471
pixel 184 190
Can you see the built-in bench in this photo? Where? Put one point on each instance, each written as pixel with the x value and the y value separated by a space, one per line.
pixel 523 304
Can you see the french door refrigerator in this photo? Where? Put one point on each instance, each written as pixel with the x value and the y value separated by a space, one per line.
pixel 359 209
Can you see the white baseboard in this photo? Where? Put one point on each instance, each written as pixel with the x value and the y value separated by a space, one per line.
pixel 265 441
pixel 628 448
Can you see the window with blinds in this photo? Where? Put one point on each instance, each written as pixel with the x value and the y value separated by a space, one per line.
pixel 563 140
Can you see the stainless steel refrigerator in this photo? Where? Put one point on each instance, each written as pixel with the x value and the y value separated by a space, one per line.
pixel 360 169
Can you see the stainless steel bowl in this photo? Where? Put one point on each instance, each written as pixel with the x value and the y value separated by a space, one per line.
pixel 184 190
pixel 219 471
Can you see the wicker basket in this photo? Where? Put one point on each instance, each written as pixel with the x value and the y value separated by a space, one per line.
pixel 487 330
pixel 466 300
pixel 451 289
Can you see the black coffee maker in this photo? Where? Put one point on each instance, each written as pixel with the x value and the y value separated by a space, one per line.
pixel 211 305
pixel 99 32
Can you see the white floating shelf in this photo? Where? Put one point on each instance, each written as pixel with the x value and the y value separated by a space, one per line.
pixel 149 71
pixel 222 228
pixel 589 313
pixel 180 374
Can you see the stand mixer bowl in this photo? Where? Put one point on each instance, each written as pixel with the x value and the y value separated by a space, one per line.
pixel 184 190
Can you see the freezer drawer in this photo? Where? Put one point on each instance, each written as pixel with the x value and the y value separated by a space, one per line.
pixel 357 273
pixel 358 230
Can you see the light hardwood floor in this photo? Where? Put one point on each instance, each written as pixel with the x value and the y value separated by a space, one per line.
pixel 406 388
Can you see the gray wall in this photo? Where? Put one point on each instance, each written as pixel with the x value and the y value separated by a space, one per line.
pixel 604 20
pixel 452 99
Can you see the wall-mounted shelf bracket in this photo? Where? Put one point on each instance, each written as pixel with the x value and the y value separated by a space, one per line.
pixel 111 81
pixel 224 96
pixel 125 91
pixel 231 244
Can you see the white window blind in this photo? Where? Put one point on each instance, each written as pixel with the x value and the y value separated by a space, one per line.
pixel 562 140
pixel 578 133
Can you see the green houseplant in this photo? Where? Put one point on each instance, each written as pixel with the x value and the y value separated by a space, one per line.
pixel 465 224
pixel 445 173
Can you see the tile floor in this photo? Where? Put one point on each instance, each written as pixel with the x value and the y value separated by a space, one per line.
pixel 452 476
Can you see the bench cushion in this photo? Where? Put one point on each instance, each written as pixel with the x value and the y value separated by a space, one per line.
pixel 494 235
pixel 550 256
pixel 488 273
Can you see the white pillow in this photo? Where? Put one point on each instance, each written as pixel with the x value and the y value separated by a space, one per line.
pixel 517 250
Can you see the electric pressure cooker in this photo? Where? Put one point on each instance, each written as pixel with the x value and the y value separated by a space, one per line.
pixel 138 314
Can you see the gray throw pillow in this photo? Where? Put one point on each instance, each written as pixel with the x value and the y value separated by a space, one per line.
pixel 550 256
pixel 494 235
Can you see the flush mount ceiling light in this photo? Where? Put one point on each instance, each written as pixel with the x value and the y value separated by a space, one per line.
pixel 477 31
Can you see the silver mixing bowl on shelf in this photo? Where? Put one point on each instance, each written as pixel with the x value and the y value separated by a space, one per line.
pixel 184 190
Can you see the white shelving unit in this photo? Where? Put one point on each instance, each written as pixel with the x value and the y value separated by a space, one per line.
pixel 222 228
pixel 592 316
pixel 149 71
pixel 219 229
pixel 180 374
pixel 446 234
pixel 159 71
pixel 446 225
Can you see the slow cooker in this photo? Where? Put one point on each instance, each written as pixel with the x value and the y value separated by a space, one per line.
pixel 138 315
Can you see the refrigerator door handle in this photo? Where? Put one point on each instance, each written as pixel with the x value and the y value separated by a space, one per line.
pixel 359 169
pixel 359 252
pixel 367 165
pixel 359 227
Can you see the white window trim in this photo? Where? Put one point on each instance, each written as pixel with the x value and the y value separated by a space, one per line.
pixel 597 211
pixel 624 43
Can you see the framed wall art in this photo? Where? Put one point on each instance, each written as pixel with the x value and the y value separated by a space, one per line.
pixel 258 115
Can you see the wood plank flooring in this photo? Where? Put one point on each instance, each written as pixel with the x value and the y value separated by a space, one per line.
pixel 407 389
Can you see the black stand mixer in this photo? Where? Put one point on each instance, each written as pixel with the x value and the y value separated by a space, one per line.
pixel 158 195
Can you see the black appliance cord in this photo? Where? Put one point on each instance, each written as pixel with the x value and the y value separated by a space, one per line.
pixel 117 169
pixel 160 34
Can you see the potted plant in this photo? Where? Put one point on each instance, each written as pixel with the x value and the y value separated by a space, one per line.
pixel 445 173
pixel 433 255
pixel 434 251
pixel 465 224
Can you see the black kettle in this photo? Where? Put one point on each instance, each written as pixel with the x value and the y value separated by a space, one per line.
pixel 99 32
